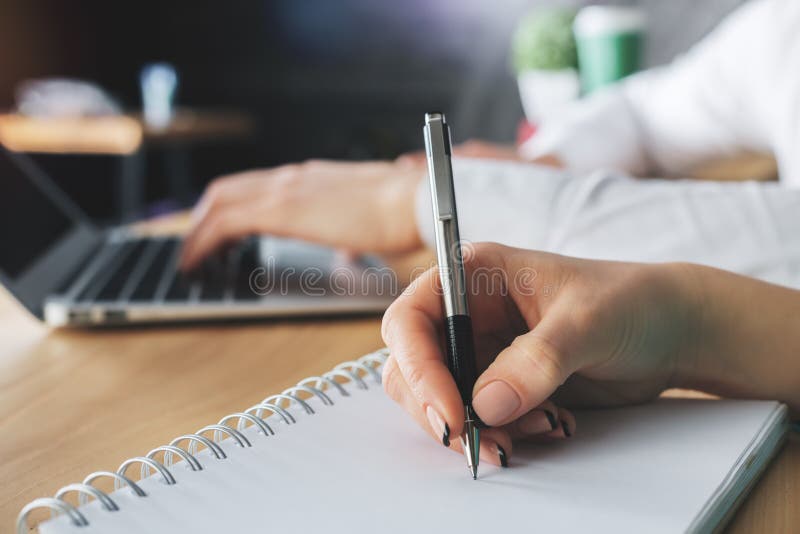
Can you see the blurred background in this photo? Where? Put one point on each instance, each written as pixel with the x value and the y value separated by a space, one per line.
pixel 266 82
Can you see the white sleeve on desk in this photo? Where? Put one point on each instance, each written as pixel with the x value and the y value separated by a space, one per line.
pixel 497 201
pixel 743 227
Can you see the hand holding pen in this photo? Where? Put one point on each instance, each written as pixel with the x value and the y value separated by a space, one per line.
pixel 425 371
pixel 516 377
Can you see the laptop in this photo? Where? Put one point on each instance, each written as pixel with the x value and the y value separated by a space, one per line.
pixel 69 272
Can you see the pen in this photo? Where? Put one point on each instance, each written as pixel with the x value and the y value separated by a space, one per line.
pixel 458 330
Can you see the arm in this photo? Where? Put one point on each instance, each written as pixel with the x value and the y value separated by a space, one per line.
pixel 590 333
pixel 705 105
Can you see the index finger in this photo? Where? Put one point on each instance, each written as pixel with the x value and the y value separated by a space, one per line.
pixel 412 328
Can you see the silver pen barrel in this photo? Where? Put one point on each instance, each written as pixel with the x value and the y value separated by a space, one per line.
pixel 448 240
pixel 458 324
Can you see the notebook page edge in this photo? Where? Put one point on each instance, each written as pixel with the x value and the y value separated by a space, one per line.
pixel 720 508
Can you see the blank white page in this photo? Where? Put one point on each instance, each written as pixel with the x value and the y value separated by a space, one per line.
pixel 363 465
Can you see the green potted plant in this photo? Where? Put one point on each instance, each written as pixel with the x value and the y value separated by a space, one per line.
pixel 545 59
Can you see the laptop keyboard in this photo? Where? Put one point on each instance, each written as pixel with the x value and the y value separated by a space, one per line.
pixel 145 270
pixel 147 285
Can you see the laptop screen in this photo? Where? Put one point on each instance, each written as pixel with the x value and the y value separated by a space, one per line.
pixel 31 220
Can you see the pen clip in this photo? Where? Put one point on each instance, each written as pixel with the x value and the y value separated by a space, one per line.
pixel 437 147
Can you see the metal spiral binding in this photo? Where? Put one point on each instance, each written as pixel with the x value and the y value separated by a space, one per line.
pixel 234 434
pixel 194 439
pixel 308 389
pixel 314 385
pixel 347 375
pixel 191 461
pixel 86 489
pixel 277 410
pixel 118 481
pixel 318 381
pixel 276 399
pixel 263 427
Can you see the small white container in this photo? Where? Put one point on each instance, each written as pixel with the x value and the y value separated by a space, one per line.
pixel 547 92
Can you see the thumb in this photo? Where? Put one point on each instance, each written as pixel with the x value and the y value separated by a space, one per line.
pixel 522 376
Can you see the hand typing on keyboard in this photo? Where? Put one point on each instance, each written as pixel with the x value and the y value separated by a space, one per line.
pixel 356 206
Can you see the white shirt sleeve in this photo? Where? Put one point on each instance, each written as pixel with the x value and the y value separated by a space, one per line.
pixel 745 227
pixel 720 98
pixel 497 200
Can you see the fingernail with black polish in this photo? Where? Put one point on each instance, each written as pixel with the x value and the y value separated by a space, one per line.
pixel 438 424
pixel 501 453
pixel 565 426
pixel 551 419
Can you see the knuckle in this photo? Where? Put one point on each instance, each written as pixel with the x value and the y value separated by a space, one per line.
pixel 414 378
pixel 284 182
pixel 312 164
pixel 295 169
pixel 386 323
pixel 391 379
pixel 586 315
pixel 220 221
pixel 395 311
pixel 491 246
pixel 216 190
pixel 215 208
pixel 484 250
pixel 540 356
pixel 281 176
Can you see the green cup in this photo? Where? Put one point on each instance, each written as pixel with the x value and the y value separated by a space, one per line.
pixel 609 41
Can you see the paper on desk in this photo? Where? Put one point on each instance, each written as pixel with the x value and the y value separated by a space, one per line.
pixel 364 466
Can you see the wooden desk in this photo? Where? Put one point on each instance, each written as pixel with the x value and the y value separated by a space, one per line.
pixel 117 135
pixel 127 137
pixel 746 166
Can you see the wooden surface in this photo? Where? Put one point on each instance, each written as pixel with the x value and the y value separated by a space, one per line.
pixel 71 135
pixel 193 126
pixel 73 402
pixel 745 166
pixel 117 135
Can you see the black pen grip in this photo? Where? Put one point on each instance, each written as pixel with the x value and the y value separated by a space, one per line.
pixel 461 354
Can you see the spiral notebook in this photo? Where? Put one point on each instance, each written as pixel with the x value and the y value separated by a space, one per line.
pixel 334 454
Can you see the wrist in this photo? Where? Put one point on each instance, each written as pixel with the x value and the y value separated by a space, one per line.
pixel 708 360
pixel 688 288
pixel 398 198
pixel 742 343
